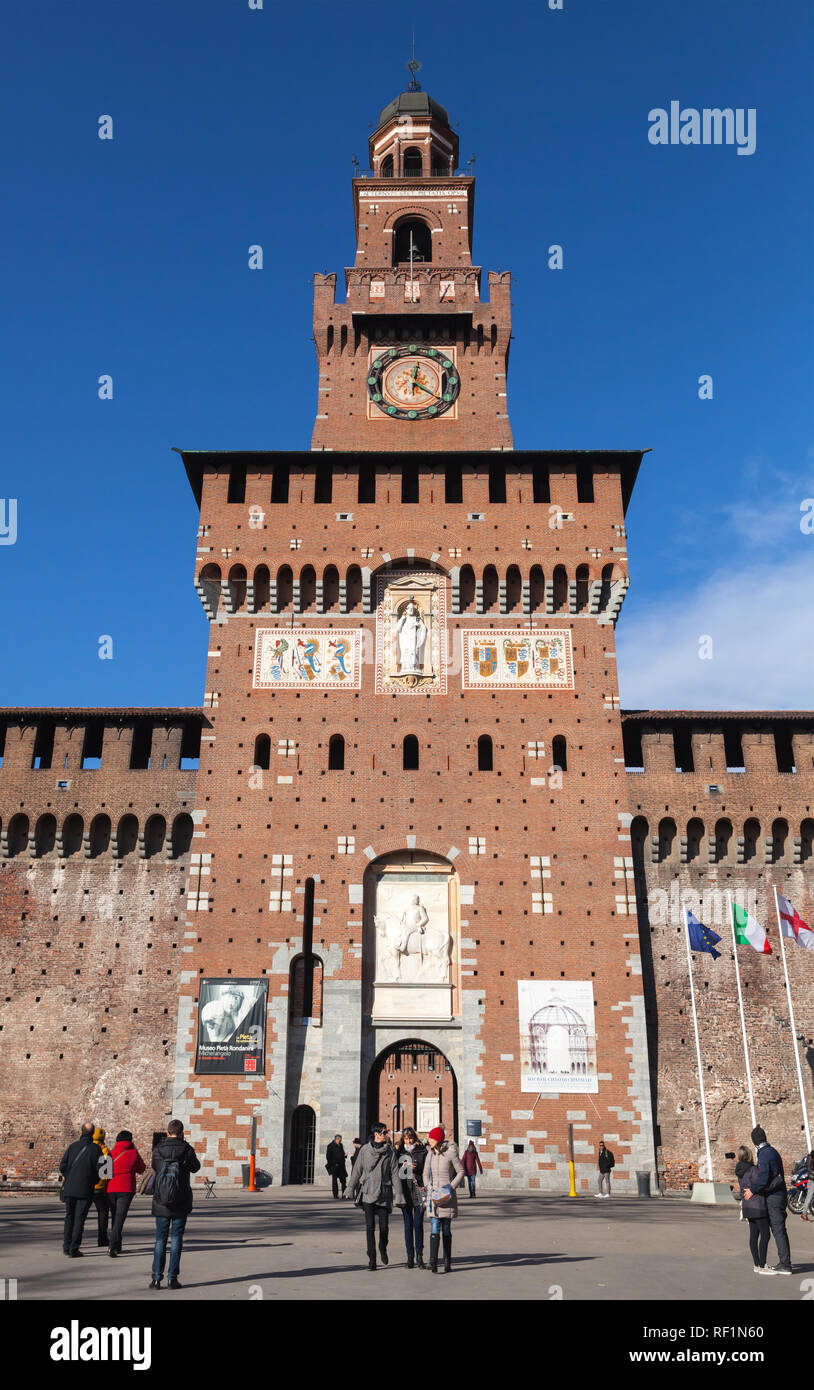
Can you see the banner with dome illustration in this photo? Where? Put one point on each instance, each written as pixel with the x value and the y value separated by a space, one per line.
pixel 557 1036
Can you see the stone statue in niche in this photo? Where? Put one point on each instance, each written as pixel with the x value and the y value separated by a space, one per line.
pixel 409 949
pixel 411 633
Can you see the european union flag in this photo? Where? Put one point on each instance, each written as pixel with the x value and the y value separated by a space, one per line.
pixel 702 938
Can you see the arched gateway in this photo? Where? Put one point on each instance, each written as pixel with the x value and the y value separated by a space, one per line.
pixel 412 1083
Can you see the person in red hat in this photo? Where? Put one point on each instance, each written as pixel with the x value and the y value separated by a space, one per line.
pixel 443 1172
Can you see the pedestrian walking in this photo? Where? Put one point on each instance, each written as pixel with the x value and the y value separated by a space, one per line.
pixel 79 1167
pixel 100 1190
pixel 173 1161
pixel 443 1173
pixel 411 1155
pixel 375 1177
pixel 357 1144
pixel 771 1182
pixel 605 1163
pixel 753 1208
pixel 336 1165
pixel 470 1161
pixel 127 1164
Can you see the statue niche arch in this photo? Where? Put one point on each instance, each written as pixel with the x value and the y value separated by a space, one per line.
pixel 411 936
pixel 411 1082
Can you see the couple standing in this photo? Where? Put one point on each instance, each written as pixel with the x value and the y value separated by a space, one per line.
pixel 764 1202
pixel 412 1177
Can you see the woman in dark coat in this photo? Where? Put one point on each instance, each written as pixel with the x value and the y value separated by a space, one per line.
pixel 411 1154
pixel 335 1165
pixel 754 1209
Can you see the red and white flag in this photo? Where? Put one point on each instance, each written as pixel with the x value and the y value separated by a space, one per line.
pixel 792 924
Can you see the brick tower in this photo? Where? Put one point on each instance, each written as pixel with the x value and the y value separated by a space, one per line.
pixel 411 850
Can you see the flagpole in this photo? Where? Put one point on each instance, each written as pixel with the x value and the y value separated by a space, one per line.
pixel 793 1024
pixel 697 1045
pixel 740 1006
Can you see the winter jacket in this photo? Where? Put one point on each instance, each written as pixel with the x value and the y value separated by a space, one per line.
pixel 747 1174
pixel 335 1160
pixel 443 1168
pixel 180 1152
pixel 79 1166
pixel 771 1177
pixel 127 1164
pixel 412 1187
pixel 470 1160
pixel 98 1138
pixel 606 1161
pixel 376 1174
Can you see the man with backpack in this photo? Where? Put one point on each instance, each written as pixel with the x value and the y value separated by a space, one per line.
pixel 173 1161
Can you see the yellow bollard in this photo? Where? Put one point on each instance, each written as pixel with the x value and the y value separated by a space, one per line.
pixel 573 1191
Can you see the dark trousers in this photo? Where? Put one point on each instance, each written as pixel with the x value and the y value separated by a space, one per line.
pixel 372 1211
pixel 162 1230
pixel 102 1213
pixel 413 1218
pixel 336 1179
pixel 776 1203
pixel 76 1209
pixel 119 1205
pixel 758 1239
pixel 470 1178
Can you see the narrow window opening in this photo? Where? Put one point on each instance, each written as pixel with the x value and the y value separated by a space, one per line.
pixel 410 753
pixel 485 754
pixel 237 483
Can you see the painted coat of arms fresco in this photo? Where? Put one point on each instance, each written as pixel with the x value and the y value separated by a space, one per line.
pixel 517 658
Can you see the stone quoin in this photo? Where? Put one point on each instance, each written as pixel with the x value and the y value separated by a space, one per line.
pixel 409 860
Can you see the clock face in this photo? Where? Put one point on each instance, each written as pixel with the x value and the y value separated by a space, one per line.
pixel 413 383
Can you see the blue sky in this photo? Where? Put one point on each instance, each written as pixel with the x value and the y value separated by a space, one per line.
pixel 129 257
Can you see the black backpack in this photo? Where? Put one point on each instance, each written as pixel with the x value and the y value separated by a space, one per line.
pixel 167 1188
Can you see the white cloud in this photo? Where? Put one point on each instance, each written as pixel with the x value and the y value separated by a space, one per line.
pixel 761 621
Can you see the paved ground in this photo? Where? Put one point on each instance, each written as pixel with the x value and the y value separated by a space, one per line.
pixel 297 1243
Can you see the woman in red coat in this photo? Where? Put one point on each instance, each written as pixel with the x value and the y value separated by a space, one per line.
pixel 127 1164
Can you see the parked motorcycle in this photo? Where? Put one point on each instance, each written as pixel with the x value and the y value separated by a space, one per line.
pixel 801 1192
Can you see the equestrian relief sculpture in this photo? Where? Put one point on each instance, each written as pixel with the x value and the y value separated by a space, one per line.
pixel 409 950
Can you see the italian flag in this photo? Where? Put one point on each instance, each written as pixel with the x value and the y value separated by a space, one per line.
pixel 748 932
pixel 792 924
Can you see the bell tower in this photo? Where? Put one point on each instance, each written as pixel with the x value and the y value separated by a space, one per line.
pixel 414 358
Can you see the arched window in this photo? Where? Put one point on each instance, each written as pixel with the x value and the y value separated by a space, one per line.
pixel 514 589
pixel 262 751
pixel 639 831
pixel 354 591
pixel 560 600
pixel 806 840
pixel 559 753
pixel 608 578
pixel 490 589
pixel 582 588
pixel 285 588
pixel 262 588
pixel 536 589
pixel 485 756
pixel 780 832
pixel 298 988
pixel 415 234
pixel 723 836
pixel 182 828
pixel 695 838
pixel 209 589
pixel 308 588
pixel 413 163
pixel 751 836
pixel 336 753
pixel 410 753
pixel 330 589
pixel 17 835
pixel 45 836
pixel 386 170
pixel 667 838
pixel 237 587
pixel 99 836
pixel 126 836
pixel 466 589
pixel 154 833
pixel 72 831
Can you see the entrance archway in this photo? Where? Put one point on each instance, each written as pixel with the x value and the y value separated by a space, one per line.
pixel 303 1143
pixel 412 1083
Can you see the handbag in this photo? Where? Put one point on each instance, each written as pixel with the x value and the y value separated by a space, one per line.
pixel 442 1196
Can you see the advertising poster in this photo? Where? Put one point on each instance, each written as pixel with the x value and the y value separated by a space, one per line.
pixel 232 1027
pixel 557 1036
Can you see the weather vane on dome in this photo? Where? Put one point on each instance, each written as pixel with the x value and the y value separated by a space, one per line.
pixel 413 67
